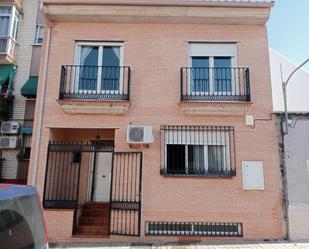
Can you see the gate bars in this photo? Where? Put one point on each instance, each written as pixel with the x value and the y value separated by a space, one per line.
pixel 62 183
pixel 62 177
pixel 126 188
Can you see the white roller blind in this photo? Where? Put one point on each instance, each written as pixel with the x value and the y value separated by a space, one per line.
pixel 213 49
pixel 197 137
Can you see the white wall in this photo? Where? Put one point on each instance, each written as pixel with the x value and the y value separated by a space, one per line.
pixel 296 156
pixel 298 87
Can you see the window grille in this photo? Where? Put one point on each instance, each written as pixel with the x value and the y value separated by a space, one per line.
pixel 198 150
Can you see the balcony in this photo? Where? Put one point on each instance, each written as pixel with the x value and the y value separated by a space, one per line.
pixel 7 49
pixel 16 3
pixel 95 89
pixel 222 91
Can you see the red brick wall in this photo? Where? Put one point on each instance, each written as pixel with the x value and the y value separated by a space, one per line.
pixel 155 54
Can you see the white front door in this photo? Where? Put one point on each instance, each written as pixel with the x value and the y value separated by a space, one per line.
pixel 102 177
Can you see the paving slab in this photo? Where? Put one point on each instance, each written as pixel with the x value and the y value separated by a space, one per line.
pixel 243 245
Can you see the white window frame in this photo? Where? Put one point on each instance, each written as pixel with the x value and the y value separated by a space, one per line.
pixel 14 17
pixel 100 45
pixel 212 51
pixel 39 29
pixel 9 15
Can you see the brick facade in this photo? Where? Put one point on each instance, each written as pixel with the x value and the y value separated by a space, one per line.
pixel 155 53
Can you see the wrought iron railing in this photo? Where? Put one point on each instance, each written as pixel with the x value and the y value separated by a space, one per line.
pixel 8 46
pixel 198 151
pixel 126 191
pixel 215 84
pixel 209 229
pixel 62 175
pixel 95 82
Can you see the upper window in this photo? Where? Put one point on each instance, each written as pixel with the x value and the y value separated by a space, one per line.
pixel 211 68
pixel 5 16
pixel 198 150
pixel 99 67
pixel 39 34
pixel 9 18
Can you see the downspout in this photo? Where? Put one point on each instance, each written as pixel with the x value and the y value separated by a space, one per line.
pixel 11 80
pixel 284 180
pixel 41 111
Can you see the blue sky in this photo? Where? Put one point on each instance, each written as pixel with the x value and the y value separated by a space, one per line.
pixel 288 29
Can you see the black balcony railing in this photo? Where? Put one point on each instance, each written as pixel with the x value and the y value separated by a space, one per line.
pixel 95 82
pixel 215 84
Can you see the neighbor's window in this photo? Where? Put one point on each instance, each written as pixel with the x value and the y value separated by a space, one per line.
pixel 5 17
pixel 9 15
pixel 9 19
pixel 39 34
pixel 198 150
pixel 100 68
pixel 211 68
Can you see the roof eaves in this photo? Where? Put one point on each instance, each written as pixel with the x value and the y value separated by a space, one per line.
pixel 205 3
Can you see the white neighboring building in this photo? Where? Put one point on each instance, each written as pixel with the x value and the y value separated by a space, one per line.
pixel 298 87
pixel 296 142
pixel 20 44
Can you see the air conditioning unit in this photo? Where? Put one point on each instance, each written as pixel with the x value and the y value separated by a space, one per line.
pixel 8 142
pixel 140 134
pixel 9 127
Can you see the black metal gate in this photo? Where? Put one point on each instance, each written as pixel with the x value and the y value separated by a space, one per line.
pixel 62 177
pixel 126 189
pixel 62 183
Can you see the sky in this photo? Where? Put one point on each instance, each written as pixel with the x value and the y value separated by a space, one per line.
pixel 288 29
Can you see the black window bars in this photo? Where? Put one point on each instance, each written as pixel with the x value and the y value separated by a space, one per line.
pixel 198 151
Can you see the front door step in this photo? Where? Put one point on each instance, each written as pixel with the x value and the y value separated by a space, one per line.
pixel 94 220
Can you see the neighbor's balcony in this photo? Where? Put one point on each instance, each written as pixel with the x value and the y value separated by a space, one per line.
pixel 7 49
pixel 17 3
pixel 220 90
pixel 95 89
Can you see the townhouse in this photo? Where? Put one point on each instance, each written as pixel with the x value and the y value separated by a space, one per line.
pixel 21 32
pixel 153 122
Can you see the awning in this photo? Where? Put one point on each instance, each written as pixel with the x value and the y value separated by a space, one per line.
pixel 7 75
pixel 29 89
pixel 26 131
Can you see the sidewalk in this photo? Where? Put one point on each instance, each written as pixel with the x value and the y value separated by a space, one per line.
pixel 245 245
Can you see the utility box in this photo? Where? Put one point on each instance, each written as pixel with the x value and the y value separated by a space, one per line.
pixel 253 175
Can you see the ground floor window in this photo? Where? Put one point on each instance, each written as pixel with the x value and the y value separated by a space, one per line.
pixel 198 150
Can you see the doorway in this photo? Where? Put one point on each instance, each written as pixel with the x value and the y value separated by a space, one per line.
pixel 99 181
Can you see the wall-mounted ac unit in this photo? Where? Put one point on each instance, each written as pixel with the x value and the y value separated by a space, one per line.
pixel 140 134
pixel 8 142
pixel 9 127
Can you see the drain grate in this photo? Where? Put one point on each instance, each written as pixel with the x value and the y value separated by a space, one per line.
pixel 194 229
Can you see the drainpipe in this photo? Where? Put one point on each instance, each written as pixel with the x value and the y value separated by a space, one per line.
pixel 41 111
pixel 284 180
